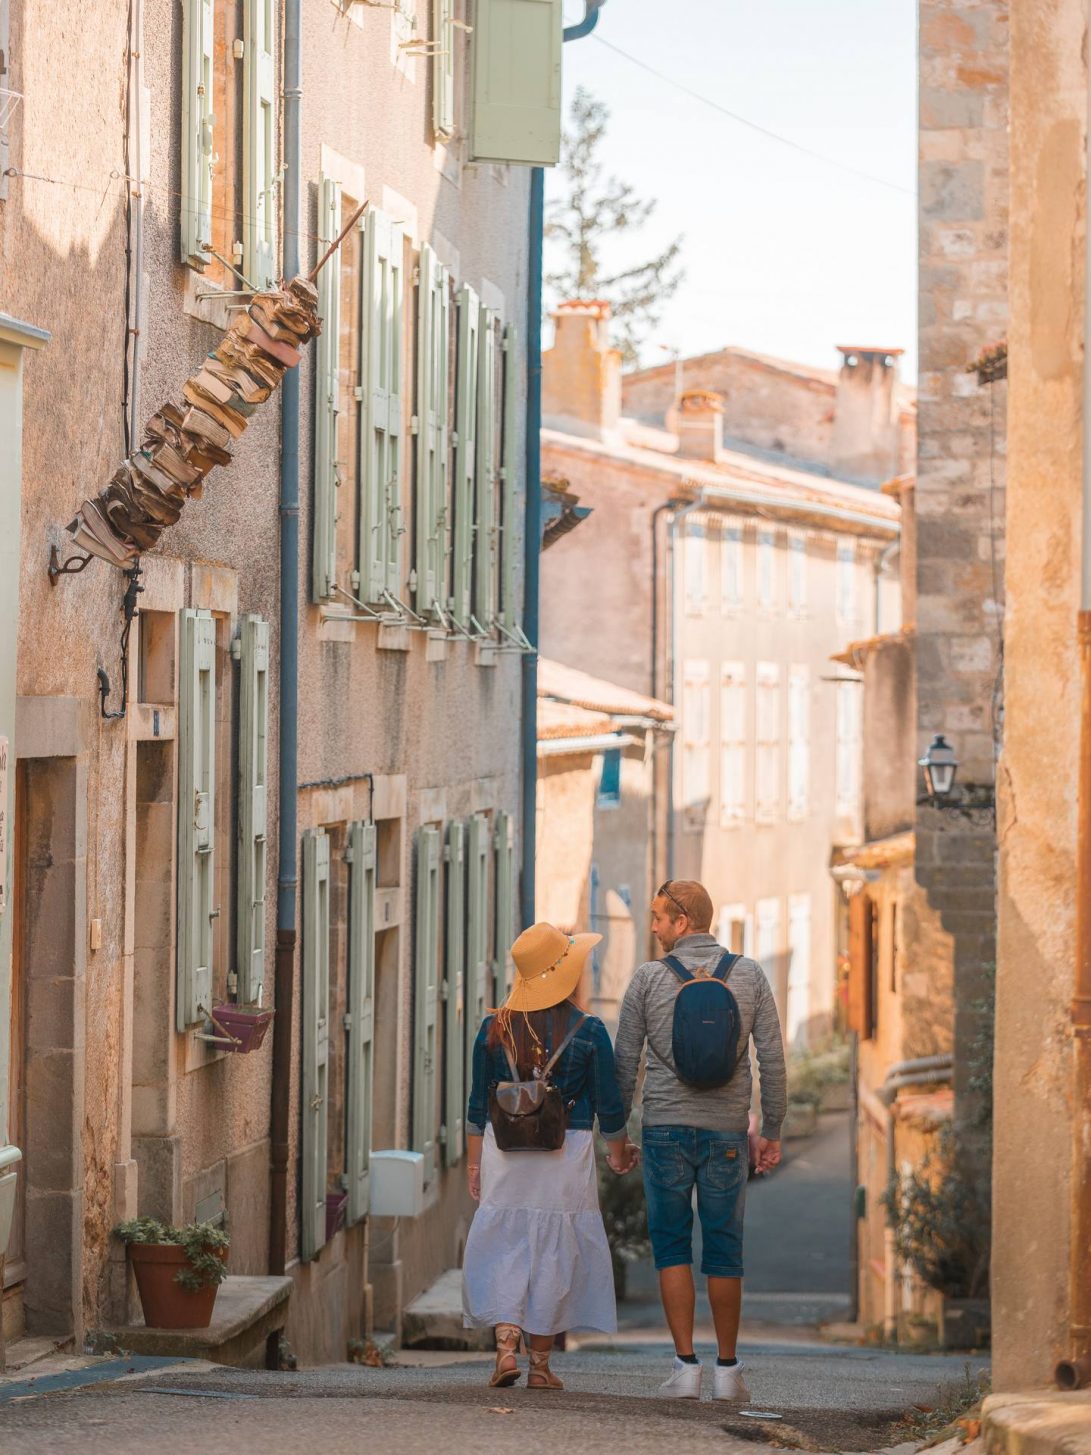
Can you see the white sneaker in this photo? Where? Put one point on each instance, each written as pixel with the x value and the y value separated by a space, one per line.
pixel 684 1381
pixel 728 1383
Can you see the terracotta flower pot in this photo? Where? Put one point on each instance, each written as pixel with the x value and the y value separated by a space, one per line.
pixel 166 1304
pixel 247 1026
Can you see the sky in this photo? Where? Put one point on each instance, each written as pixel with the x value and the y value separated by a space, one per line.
pixel 783 253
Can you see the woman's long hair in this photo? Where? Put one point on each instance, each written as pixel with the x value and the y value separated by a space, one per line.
pixel 525 1033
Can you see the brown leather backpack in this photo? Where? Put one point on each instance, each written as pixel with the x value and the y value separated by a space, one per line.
pixel 530 1116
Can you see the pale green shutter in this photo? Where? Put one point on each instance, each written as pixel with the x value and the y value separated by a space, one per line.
pixel 485 525
pixel 466 381
pixel 505 903
pixel 361 1015
pixel 327 367
pixel 443 68
pixel 516 110
pixel 454 994
pixel 433 340
pixel 316 1037
pixel 196 816
pixel 381 426
pixel 259 145
pixel 509 477
pixel 477 928
pixel 197 126
pixel 425 982
pixel 253 763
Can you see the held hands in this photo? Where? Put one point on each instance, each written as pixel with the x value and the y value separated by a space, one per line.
pixel 624 1159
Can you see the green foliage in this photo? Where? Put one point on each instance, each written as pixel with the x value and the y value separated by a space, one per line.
pixel 625 1215
pixel 959 1399
pixel 941 1227
pixel 203 1244
pixel 598 209
pixel 812 1073
pixel 980 1057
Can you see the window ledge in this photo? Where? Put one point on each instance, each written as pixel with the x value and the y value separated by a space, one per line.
pixel 436 646
pixel 486 654
pixel 393 637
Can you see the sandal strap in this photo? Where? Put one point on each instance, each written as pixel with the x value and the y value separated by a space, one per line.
pixel 507 1338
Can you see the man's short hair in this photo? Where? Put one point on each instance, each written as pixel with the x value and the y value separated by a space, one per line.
pixel 686 896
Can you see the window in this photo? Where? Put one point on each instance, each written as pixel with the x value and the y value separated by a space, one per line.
pixel 196 828
pixel 425 997
pixel 695 741
pixel 846 582
pixel 694 568
pixel 433 372
pixel 733 929
pixel 849 748
pixel 314 1152
pixel 797 574
pixel 486 497
pixel 609 795
pixel 454 998
pixel 768 946
pixel 799 741
pixel 510 514
pixel 362 841
pixel 767 766
pixel 253 768
pixel 767 570
pixel 731 567
pixel 466 417
pixel 732 744
pixel 799 966
pixel 504 906
pixel 516 86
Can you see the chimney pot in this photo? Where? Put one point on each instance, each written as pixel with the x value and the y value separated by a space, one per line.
pixel 581 373
pixel 699 424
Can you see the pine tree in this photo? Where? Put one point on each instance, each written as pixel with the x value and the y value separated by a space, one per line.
pixel 595 209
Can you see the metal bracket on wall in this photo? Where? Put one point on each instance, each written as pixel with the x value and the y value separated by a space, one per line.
pixel 129 610
pixel 70 567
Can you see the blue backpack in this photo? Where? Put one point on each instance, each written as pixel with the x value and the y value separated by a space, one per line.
pixel 705 1040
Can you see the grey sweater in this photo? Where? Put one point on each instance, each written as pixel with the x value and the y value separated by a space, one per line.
pixel 647 1014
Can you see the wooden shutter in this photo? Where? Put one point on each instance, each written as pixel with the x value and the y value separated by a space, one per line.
pixel 732 743
pixel 509 478
pixel 454 997
pixel 861 1011
pixel 259 158
pixel 253 843
pixel 433 345
pixel 360 1021
pixel 486 503
pixel 316 1037
pixel 381 425
pixel 695 738
pixel 197 128
pixel 466 384
pixel 799 741
pixel 477 928
pixel 443 68
pixel 505 905
pixel 326 396
pixel 425 983
pixel 516 88
pixel 196 816
pixel 768 735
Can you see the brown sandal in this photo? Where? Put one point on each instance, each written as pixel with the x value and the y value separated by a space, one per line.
pixel 541 1376
pixel 507 1365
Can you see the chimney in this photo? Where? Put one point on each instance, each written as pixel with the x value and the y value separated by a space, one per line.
pixel 865 422
pixel 581 373
pixel 699 424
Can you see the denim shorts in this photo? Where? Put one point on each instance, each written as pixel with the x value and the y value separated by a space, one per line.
pixel 675 1160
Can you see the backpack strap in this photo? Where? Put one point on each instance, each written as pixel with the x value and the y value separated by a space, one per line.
pixel 728 961
pixel 672 962
pixel 563 1047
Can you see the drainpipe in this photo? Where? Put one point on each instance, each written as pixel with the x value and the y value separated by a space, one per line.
pixel 677 518
pixel 532 547
pixel 288 724
pixel 1074 1372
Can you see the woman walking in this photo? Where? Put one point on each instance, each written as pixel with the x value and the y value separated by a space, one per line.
pixel 537 1258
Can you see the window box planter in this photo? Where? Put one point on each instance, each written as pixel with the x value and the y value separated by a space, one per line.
pixel 336 1205
pixel 239 1028
pixel 178 1271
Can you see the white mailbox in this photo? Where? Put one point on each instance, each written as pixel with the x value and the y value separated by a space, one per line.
pixel 396 1184
pixel 10 1157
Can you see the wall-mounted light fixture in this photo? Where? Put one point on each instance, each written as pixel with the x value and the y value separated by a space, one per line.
pixel 940 768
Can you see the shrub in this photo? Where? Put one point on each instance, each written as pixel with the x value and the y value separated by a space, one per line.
pixel 941 1228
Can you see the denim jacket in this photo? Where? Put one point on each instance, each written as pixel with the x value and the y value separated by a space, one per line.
pixel 584 1075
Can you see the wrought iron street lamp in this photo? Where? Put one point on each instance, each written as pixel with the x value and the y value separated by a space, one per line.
pixel 940 766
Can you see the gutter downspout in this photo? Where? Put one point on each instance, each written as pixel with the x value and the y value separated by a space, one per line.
pixel 1074 1372
pixel 532 545
pixel 288 706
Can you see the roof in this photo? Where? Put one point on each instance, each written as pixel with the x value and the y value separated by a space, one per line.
pixel 560 685
pixel 881 853
pixel 812 373
pixel 566 720
pixel 857 653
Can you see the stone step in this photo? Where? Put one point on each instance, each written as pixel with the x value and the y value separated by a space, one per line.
pixel 434 1319
pixel 246 1312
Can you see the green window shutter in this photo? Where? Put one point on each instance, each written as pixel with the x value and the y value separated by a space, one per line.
pixel 433 342
pixel 509 478
pixel 253 763
pixel 477 927
pixel 327 362
pixel 443 68
pixel 516 103
pixel 381 425
pixel 505 903
pixel 454 993
pixel 466 382
pixel 196 815
pixel 259 158
pixel 485 524
pixel 197 126
pixel 316 1037
pixel 361 1015
pixel 425 983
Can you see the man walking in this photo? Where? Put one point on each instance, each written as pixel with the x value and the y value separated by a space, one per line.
pixel 699 1137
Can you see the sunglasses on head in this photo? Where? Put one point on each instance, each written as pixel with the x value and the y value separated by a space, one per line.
pixel 665 889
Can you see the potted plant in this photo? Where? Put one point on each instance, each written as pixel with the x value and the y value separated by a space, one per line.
pixel 178 1270
pixel 240 1028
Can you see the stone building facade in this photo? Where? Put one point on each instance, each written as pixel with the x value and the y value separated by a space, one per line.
pixel 144 200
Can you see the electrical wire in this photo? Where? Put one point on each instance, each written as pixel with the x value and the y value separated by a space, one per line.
pixel 753 125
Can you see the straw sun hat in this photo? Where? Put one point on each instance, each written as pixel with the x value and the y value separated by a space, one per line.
pixel 548 966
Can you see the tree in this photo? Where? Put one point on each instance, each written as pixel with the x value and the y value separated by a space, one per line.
pixel 594 210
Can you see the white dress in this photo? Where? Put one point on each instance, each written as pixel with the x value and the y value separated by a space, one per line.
pixel 537 1254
